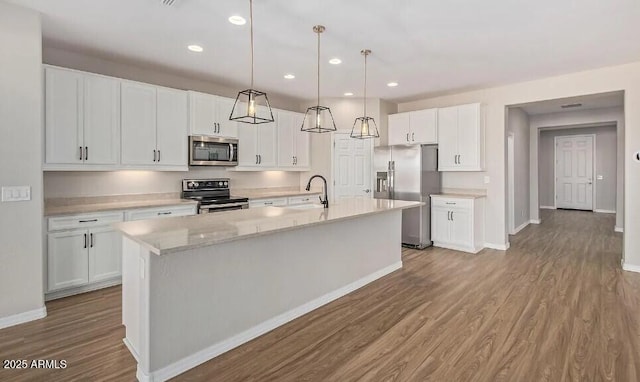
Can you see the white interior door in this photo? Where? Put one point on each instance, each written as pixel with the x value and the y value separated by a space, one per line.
pixel 574 172
pixel 352 167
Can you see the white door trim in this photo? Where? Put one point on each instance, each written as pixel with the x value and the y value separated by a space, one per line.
pixel 593 168
pixel 511 182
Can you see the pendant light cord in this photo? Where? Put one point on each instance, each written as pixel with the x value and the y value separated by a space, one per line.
pixel 251 28
pixel 319 67
pixel 365 85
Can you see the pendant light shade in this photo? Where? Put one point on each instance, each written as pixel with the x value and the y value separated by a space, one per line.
pixel 365 127
pixel 251 106
pixel 318 119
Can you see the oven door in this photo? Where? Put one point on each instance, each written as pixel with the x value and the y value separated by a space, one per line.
pixel 212 151
pixel 212 208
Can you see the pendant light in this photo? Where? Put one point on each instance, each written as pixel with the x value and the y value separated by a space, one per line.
pixel 365 127
pixel 318 119
pixel 251 106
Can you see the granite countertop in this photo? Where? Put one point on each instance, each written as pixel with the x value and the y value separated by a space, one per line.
pixel 263 193
pixel 458 196
pixel 175 234
pixel 462 193
pixel 80 205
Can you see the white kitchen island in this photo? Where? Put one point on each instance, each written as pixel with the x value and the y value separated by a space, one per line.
pixel 195 287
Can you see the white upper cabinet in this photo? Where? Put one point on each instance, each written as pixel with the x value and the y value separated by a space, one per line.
pixel 82 125
pixel 138 124
pixel 257 145
pixel 154 127
pixel 461 138
pixel 414 128
pixel 172 126
pixel 209 115
pixel 293 144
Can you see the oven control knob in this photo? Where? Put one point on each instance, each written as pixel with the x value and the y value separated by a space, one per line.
pixel 193 185
pixel 226 184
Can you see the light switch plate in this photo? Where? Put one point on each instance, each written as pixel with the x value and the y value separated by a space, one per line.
pixel 487 180
pixel 600 177
pixel 16 193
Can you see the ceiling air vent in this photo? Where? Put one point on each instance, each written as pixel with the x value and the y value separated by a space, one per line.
pixel 169 3
pixel 570 105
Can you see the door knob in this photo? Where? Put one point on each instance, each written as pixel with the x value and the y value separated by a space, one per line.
pixel 367 190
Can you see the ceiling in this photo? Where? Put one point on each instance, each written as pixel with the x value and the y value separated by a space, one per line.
pixel 428 46
pixel 587 102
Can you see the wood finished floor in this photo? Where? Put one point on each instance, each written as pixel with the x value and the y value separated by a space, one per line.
pixel 555 307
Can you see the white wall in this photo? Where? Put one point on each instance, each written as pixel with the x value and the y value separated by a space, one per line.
pixel 81 184
pixel 604 164
pixel 518 125
pixel 21 281
pixel 616 78
pixel 605 116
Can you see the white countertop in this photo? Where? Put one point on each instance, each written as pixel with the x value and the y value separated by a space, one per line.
pixel 80 205
pixel 264 193
pixel 175 234
pixel 458 196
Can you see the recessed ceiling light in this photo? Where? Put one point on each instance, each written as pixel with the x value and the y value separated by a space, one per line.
pixel 195 48
pixel 289 76
pixel 237 20
pixel 335 61
pixel 348 94
pixel 392 84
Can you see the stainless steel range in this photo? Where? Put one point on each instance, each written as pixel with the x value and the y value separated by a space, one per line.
pixel 213 195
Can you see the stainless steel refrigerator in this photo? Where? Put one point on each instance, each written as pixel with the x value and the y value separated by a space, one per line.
pixel 409 173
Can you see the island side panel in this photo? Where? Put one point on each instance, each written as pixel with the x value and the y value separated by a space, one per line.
pixel 206 301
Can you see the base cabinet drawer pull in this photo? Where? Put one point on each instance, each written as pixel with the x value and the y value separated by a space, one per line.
pixel 164 213
pixel 88 221
pixel 451 203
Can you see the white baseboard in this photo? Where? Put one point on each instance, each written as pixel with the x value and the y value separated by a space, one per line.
pixel 82 289
pixel 23 317
pixel 500 247
pixel 547 207
pixel 455 247
pixel 604 211
pixel 215 350
pixel 535 221
pixel 520 228
pixel 618 229
pixel 631 268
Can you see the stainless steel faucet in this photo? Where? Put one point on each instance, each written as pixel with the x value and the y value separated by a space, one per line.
pixel 324 202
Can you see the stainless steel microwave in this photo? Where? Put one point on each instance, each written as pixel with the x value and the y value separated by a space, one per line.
pixel 212 151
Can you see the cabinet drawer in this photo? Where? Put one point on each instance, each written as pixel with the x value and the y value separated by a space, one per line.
pixel 164 212
pixel 83 221
pixel 303 199
pixel 452 202
pixel 267 202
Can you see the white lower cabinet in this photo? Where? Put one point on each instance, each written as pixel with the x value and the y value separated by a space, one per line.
pixel 84 253
pixel 164 212
pixel 457 223
pixel 82 249
pixel 273 202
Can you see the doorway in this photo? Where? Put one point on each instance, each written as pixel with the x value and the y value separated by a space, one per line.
pixel 574 157
pixel 352 174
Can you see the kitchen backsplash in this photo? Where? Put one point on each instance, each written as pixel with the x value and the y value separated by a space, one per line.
pixel 81 184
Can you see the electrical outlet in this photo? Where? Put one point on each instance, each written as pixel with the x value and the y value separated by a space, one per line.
pixel 16 194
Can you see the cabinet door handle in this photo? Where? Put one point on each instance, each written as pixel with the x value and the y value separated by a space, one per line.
pixel 259 158
pixel 413 137
pixel 85 240
pixel 86 153
pixel 256 158
pixel 154 155
pixel 81 153
pixel 451 215
pixel 91 238
pixel 448 215
pixel 407 137
pixel 158 155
